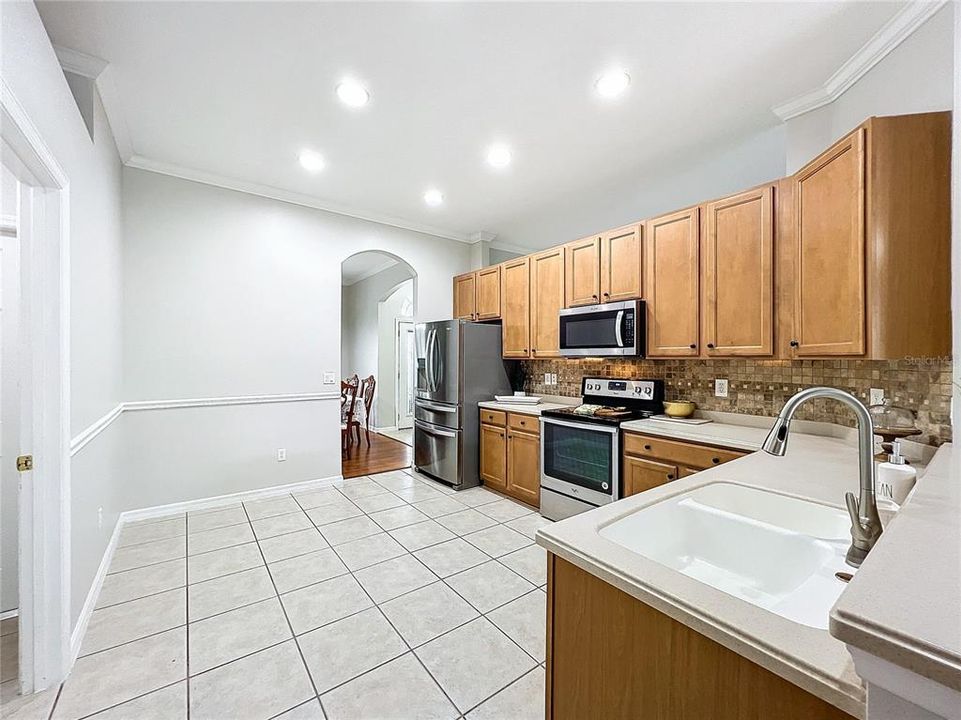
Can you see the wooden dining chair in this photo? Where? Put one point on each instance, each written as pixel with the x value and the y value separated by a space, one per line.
pixel 348 401
pixel 368 385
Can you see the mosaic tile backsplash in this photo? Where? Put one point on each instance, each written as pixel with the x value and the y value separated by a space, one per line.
pixel 761 387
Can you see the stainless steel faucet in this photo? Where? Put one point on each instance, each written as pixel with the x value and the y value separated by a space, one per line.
pixel 865 521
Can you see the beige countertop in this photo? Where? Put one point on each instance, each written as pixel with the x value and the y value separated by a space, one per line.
pixel 904 604
pixel 816 468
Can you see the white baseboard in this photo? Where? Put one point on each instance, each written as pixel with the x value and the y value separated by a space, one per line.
pixel 93 595
pixel 7 614
pixel 211 503
pixel 389 428
pixel 80 629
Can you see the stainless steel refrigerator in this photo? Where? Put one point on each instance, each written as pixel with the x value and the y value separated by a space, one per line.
pixel 458 364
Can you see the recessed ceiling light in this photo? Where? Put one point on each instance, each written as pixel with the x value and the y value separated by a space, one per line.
pixel 311 161
pixel 612 83
pixel 499 156
pixel 433 197
pixel 352 93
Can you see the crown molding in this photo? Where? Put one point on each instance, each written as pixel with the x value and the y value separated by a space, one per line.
pixel 892 34
pixel 288 196
pixel 508 247
pixel 80 63
pixel 481 236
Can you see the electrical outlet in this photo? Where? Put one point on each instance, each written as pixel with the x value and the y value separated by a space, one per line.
pixel 720 387
pixel 553 378
pixel 329 377
pixel 877 396
pixel 281 454
pixel 547 378
pixel 99 518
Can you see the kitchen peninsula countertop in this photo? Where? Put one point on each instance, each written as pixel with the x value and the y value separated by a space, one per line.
pixel 817 468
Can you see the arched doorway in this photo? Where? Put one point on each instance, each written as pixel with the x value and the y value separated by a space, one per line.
pixel 378 303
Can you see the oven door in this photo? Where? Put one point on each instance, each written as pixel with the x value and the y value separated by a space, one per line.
pixel 599 330
pixel 581 459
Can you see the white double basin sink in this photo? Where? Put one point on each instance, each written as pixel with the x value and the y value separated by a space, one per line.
pixel 777 552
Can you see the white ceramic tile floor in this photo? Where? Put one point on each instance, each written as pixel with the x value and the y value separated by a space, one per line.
pixel 383 596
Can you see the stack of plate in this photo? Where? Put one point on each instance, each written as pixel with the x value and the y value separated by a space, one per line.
pixel 518 399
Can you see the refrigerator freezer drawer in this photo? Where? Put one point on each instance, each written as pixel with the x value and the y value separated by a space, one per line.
pixel 435 413
pixel 438 451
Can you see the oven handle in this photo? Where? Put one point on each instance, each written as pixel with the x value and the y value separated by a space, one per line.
pixel 610 430
pixel 618 322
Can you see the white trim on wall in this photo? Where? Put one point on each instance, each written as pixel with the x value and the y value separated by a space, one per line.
pixel 895 31
pixel 101 424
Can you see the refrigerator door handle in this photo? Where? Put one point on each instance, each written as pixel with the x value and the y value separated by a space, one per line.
pixel 430 360
pixel 432 431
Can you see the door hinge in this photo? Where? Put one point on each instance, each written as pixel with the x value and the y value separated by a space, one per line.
pixel 24 463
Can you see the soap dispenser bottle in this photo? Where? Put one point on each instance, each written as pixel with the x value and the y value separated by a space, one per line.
pixel 895 478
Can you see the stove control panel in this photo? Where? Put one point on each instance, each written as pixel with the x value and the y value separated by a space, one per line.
pixel 627 389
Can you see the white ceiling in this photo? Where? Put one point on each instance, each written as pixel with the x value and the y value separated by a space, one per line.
pixel 238 89
pixel 362 265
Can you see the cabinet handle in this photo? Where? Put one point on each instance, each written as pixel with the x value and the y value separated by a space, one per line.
pixel 693 346
pixel 710 346
pixel 647 447
pixel 715 460
pixel 670 476
pixel 594 297
pixel 607 294
pixel 502 434
pixel 794 343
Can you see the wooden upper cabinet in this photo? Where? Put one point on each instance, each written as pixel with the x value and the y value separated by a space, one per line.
pixel 671 282
pixel 547 298
pixel 621 264
pixel 583 272
pixel 516 307
pixel 488 293
pixel 737 275
pixel 464 296
pixel 829 234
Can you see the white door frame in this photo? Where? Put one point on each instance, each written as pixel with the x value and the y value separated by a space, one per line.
pixel 44 533
pixel 398 364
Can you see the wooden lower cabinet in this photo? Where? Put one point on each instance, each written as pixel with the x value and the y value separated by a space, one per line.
pixel 649 461
pixel 493 456
pixel 611 656
pixel 523 467
pixel 510 455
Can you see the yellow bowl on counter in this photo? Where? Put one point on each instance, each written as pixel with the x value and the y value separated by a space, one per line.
pixel 679 408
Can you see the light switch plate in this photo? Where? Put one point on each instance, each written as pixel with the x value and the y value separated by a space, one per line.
pixel 281 454
pixel 330 377
pixel 877 396
pixel 720 387
pixel 553 378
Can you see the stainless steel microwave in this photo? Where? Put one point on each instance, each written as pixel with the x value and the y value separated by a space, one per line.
pixel 599 330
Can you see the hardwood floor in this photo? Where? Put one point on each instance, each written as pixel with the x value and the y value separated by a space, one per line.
pixel 383 454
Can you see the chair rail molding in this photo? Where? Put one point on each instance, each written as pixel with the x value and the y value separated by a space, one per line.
pixel 893 33
pixel 102 423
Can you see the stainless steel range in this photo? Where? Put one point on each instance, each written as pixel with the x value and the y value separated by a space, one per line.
pixel 580 447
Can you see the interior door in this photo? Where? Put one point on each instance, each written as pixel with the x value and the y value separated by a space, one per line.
pixel 405 353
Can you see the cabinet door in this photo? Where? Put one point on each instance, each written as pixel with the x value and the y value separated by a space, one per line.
pixel 621 264
pixel 738 277
pixel 641 475
pixel 829 295
pixel 583 285
pixel 488 293
pixel 671 283
pixel 523 467
pixel 516 308
pixel 464 296
pixel 547 299
pixel 493 456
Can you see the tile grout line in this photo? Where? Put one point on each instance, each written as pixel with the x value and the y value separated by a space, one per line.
pixel 290 626
pixel 187 615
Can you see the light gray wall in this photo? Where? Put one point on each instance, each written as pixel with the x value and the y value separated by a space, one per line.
pixel 230 294
pixel 498 256
pixel 916 77
pixel 358 344
pixel 31 71
pixel 388 312
pixel 956 217
pixel 705 173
